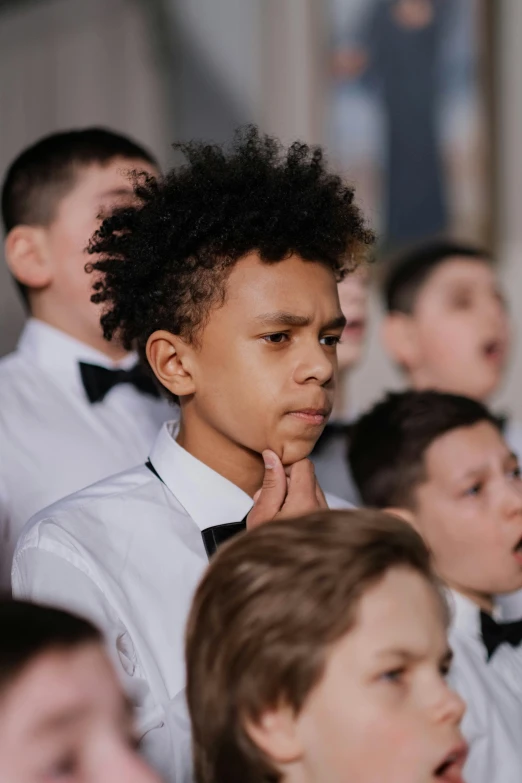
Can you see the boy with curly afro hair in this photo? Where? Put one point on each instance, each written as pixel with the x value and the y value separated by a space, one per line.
pixel 225 279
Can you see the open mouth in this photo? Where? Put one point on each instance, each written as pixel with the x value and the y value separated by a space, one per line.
pixel 450 769
pixel 517 551
pixel 494 350
pixel 355 328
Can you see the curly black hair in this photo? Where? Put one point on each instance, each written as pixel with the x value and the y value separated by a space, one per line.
pixel 164 264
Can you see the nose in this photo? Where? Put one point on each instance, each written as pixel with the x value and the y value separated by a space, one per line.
pixel 315 364
pixel 512 497
pixel 498 311
pixel 449 707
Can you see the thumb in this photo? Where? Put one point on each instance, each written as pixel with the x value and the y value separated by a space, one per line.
pixel 269 499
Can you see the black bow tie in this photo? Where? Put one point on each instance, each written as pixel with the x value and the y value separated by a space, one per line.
pixel 494 634
pixel 98 381
pixel 214 536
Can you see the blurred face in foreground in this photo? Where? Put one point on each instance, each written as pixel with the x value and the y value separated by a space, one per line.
pixel 382 712
pixel 64 719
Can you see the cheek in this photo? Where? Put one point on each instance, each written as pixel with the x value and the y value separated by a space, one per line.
pixel 369 746
pixel 448 340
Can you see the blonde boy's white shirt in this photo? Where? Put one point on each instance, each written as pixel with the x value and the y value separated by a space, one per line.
pixel 53 440
pixel 128 553
pixel 492 691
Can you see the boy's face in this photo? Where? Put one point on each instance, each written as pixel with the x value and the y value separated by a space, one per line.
pixel 65 719
pixel 469 511
pixel 97 190
pixel 265 366
pixel 458 335
pixel 383 710
pixel 353 296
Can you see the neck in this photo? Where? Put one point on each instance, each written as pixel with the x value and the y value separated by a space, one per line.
pixel 113 350
pixel 240 465
pixel 483 600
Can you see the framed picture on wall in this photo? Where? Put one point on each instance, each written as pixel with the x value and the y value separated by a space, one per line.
pixel 409 114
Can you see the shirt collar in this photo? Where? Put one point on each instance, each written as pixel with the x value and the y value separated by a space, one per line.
pixel 59 354
pixel 465 614
pixel 207 497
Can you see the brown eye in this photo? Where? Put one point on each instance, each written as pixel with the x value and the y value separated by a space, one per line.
pixel 276 338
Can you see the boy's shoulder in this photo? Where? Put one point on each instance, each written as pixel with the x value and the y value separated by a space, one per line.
pixel 112 508
pixel 335 503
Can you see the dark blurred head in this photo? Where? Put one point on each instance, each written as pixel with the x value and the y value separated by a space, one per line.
pixel 446 324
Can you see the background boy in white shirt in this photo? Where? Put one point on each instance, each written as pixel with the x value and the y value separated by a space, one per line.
pixel 67 418
pixel 226 279
pixel 440 461
pixel 317 651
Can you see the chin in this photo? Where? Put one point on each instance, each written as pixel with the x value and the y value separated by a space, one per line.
pixel 296 450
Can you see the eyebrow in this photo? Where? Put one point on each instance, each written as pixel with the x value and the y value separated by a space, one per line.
pixel 62 719
pixel 511 457
pixel 408 655
pixel 284 318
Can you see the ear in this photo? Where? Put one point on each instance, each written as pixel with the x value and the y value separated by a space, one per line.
pixel 276 734
pixel 400 339
pixel 26 256
pixel 170 359
pixel 405 514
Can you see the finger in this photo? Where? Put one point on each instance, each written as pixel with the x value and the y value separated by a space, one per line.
pixel 269 499
pixel 320 496
pixel 302 496
pixel 302 480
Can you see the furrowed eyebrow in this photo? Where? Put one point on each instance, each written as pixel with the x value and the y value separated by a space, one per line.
pixel 283 318
pixel 339 322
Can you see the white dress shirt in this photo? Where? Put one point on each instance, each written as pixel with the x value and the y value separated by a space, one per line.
pixel 128 553
pixel 53 441
pixel 492 691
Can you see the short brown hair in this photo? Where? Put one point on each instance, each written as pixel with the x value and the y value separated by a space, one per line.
pixel 270 606
pixel 388 444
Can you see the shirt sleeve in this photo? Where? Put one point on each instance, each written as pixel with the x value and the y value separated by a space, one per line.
pixel 6 547
pixel 47 578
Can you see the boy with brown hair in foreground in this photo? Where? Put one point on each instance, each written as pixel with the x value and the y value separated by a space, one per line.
pixel 316 651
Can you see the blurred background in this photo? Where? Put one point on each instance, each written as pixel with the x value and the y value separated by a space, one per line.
pixel 437 114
